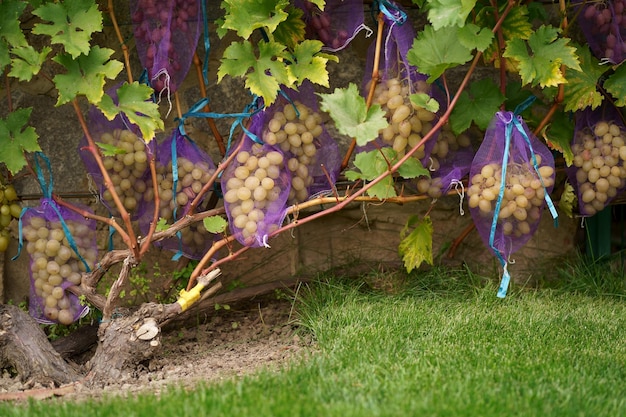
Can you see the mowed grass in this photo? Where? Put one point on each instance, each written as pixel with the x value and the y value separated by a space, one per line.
pixel 440 345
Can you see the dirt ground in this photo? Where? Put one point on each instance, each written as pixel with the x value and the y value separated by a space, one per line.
pixel 235 340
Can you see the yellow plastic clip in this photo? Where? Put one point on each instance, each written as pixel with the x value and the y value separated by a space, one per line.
pixel 187 298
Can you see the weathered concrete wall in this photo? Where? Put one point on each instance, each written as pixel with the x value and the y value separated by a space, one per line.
pixel 365 234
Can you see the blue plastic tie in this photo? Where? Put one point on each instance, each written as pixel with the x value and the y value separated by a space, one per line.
pixel 392 12
pixel 179 235
pixel 207 44
pixel 20 235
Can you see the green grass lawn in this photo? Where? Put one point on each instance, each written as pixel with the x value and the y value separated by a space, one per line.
pixel 441 345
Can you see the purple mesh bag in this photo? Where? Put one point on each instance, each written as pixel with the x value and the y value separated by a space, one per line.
pixel 507 215
pixel 604 26
pixel 193 169
pixel 256 186
pixel 61 245
pixel 294 125
pixel 337 25
pixel 598 173
pixel 166 33
pixel 398 80
pixel 449 161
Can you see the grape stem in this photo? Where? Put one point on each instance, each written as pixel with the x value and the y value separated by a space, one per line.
pixel 116 27
pixel 145 246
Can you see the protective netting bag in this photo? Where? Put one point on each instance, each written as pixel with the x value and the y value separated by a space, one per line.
pixel 125 157
pixel 256 186
pixel 511 178
pixel 183 169
pixel 599 147
pixel 295 125
pixel 62 245
pixel 604 25
pixel 408 123
pixel 336 25
pixel 449 162
pixel 166 33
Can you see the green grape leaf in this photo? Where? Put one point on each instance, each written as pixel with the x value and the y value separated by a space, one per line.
pixel 11 34
pixel 86 75
pixel 616 85
pixel 215 224
pixel 134 100
pixel 559 133
pixel 17 138
pixel 542 66
pixel 442 13
pixel 434 51
pixel 581 90
pixel 308 65
pixel 71 24
pixel 319 3
pixel 291 31
pixel 351 115
pixel 477 105
pixel 28 61
pixel 425 101
pixel 245 16
pixel 475 37
pixel 110 150
pixel 413 168
pixel 516 24
pixel 161 225
pixel 416 247
pixel 372 164
pixel 568 200
pixel 268 69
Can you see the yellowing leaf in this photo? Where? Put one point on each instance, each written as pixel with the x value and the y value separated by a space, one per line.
pixel 27 61
pixel 581 90
pixel 516 24
pixel 542 64
pixel 568 200
pixel 245 16
pixel 308 65
pixel 416 247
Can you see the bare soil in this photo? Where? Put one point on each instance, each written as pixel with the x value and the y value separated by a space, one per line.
pixel 232 341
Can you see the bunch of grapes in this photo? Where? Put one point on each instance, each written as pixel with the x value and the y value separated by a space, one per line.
pixel 157 26
pixel 254 190
pixel 294 132
pixel 128 168
pixel 600 158
pixel 407 122
pixel 523 197
pixel 319 26
pixel 9 210
pixel 604 23
pixel 191 179
pixel 446 146
pixel 55 265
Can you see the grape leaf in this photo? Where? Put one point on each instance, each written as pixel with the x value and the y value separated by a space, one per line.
pixel 616 85
pixel 85 74
pixel 291 31
pixel 413 168
pixel 475 37
pixel 516 24
pixel 161 225
pixel 110 150
pixel 559 133
pixel 309 64
pixel 416 247
pixel 425 101
pixel 268 69
pixel 245 16
pixel 17 138
pixel 351 115
pixel 134 100
pixel 371 165
pixel 568 200
pixel 10 33
pixel 581 90
pixel 442 13
pixel 28 61
pixel 434 51
pixel 215 224
pixel 72 24
pixel 477 105
pixel 543 65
